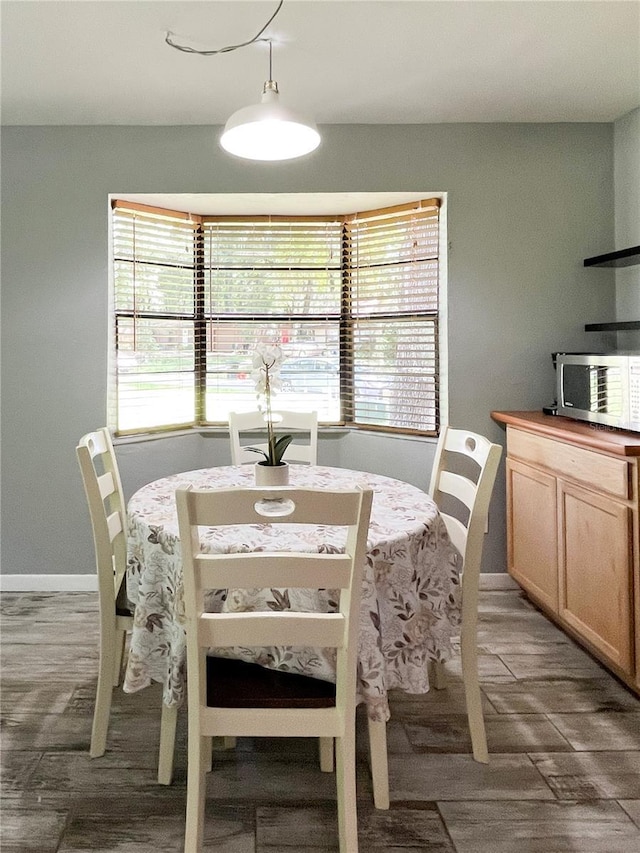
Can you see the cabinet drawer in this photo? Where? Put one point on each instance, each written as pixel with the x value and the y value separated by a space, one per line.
pixel 602 473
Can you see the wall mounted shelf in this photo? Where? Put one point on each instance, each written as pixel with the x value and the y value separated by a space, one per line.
pixel 622 326
pixel 622 258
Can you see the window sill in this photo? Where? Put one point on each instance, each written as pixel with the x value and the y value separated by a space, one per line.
pixel 221 431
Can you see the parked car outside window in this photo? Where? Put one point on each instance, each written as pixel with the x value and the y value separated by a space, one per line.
pixel 308 375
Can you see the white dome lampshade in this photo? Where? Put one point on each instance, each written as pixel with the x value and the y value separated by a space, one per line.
pixel 269 131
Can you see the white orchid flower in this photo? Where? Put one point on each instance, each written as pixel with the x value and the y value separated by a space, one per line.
pixel 268 355
pixel 267 361
pixel 259 379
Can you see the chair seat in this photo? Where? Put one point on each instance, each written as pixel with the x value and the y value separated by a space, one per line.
pixel 123 606
pixel 238 684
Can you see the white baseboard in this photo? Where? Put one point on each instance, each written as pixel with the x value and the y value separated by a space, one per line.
pixel 89 583
pixel 48 583
pixel 496 580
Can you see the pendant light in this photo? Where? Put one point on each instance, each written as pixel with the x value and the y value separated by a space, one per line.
pixel 269 130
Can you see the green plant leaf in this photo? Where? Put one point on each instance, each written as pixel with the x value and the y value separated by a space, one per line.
pixel 257 450
pixel 279 448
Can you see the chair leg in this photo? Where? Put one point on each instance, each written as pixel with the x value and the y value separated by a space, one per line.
pixel 199 758
pixel 120 640
pixel 379 763
pixel 102 708
pixel 219 744
pixel 346 790
pixel 437 675
pixel 473 697
pixel 210 743
pixel 168 722
pixel 326 754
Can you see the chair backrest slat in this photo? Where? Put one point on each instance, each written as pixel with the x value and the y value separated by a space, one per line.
pixel 114 525
pixel 459 487
pixel 106 484
pixel 303 426
pixel 262 504
pixel 456 530
pixel 272 629
pixel 331 571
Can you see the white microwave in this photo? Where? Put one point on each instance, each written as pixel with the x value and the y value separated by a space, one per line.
pixel 602 389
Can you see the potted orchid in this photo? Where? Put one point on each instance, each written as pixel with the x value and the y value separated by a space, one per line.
pixel 267 361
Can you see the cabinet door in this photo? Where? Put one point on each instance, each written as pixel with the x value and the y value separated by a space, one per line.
pixel 532 531
pixel 595 571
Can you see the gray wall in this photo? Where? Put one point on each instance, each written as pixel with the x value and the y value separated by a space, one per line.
pixel 526 204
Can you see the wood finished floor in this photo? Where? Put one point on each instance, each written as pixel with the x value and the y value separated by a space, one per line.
pixel 563 777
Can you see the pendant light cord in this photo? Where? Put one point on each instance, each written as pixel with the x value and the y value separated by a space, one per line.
pixel 187 49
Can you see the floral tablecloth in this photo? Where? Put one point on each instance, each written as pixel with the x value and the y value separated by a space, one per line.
pixel 411 590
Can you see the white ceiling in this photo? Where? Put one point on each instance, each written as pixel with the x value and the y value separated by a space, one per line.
pixel 346 61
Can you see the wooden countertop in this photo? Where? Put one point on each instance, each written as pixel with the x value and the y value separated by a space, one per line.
pixel 593 436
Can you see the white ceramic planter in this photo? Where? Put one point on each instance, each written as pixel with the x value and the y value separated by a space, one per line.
pixel 272 475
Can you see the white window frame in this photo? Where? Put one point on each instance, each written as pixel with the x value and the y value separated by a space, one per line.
pixel 441 394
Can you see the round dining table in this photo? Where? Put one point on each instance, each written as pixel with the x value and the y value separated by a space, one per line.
pixel 411 597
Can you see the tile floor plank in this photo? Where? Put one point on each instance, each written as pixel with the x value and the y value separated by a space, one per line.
pixel 37 829
pixel 604 731
pixel 559 662
pixel 531 827
pixel 591 775
pixel 561 696
pixel 508 733
pixel 459 777
pixel 632 808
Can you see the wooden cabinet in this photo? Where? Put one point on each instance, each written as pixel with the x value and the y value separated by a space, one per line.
pixel 572 530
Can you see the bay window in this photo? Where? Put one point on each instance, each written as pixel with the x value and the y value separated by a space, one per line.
pixel 352 300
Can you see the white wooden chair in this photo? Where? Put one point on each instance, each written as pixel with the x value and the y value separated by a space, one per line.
pixel 232 698
pixel 103 489
pixel 468 537
pixel 471 490
pixel 301 424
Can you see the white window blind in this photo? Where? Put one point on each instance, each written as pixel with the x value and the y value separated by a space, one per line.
pixel 392 317
pixel 276 280
pixel 353 301
pixel 153 372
